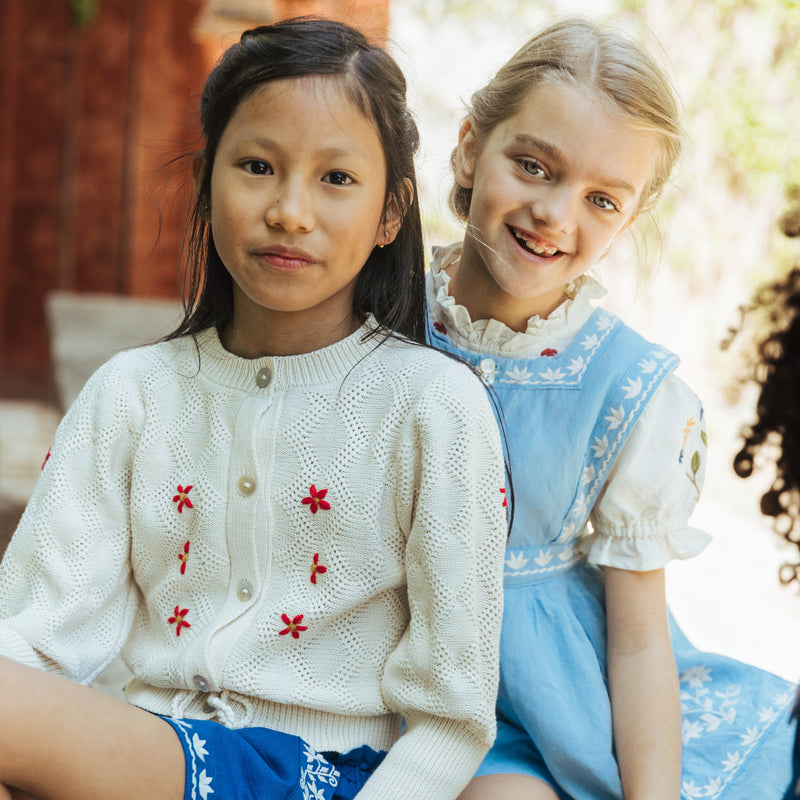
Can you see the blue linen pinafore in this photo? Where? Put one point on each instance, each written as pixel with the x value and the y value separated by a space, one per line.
pixel 567 418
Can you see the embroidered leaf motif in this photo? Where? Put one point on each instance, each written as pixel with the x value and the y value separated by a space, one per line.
pixel 204 785
pixel 731 762
pixel 748 738
pixel 696 676
pixel 544 558
pixel 712 722
pixel 576 365
pixel 647 366
pixel 691 790
pixel 690 730
pixel 516 561
pixel 517 374
pixel 199 747
pixel 604 323
pixel 590 342
pixel 695 462
pixel 551 374
pixel 600 446
pixel 588 474
pixel 615 417
pixel 632 388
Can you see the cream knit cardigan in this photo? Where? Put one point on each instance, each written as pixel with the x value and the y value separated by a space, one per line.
pixel 310 543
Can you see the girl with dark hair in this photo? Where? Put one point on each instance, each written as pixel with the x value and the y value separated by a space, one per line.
pixel 561 151
pixel 288 515
pixel 777 425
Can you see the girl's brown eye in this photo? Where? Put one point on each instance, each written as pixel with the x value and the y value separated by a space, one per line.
pixel 338 178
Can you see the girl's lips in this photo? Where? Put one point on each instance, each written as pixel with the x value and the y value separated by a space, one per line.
pixel 533 244
pixel 286 258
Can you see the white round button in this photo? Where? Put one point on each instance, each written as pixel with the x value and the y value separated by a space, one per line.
pixel 263 377
pixel 246 485
pixel 244 591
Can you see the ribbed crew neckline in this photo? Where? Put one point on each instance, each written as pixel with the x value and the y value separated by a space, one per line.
pixel 327 364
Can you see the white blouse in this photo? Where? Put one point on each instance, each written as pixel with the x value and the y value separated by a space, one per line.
pixel 641 518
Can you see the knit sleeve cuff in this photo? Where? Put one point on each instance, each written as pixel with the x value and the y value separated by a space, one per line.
pixel 433 760
pixel 14 646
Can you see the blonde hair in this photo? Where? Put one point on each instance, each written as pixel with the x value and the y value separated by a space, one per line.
pixel 588 55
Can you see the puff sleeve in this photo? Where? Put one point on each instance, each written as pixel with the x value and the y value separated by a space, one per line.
pixel 641 518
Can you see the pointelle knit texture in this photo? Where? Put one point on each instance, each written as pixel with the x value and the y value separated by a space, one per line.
pixel 310 543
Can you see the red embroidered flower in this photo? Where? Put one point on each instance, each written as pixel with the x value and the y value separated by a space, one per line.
pixel 184 557
pixel 437 326
pixel 317 568
pixel 548 352
pixel 182 498
pixel 293 626
pixel 179 619
pixel 505 499
pixel 315 499
pixel 46 459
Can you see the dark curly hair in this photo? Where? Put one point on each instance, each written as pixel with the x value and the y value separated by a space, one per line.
pixel 777 373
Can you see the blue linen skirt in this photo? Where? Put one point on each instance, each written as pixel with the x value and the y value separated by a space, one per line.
pixel 554 712
pixel 258 763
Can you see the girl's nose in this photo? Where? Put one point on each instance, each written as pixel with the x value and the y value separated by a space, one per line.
pixel 556 210
pixel 290 208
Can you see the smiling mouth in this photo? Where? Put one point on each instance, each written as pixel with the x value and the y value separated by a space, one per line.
pixel 532 246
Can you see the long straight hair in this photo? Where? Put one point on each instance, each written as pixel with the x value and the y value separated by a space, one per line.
pixel 391 283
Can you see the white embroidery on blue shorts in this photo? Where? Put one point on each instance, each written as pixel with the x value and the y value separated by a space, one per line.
pixel 317 768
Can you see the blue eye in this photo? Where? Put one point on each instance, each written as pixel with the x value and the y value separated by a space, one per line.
pixel 255 167
pixel 531 166
pixel 338 178
pixel 604 203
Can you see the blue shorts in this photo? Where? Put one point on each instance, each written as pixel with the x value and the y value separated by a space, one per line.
pixel 258 762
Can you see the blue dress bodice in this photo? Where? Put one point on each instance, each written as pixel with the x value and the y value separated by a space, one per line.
pixel 566 418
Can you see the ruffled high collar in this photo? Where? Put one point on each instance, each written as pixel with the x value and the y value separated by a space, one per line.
pixel 491 335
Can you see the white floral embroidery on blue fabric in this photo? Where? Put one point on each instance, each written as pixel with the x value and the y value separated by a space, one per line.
pixel 317 770
pixel 199 747
pixel 184 727
pixel 704 713
pixel 542 558
pixel 621 413
pixel 551 374
pixel 516 561
pixel 204 785
pixel 519 375
pixel 568 374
